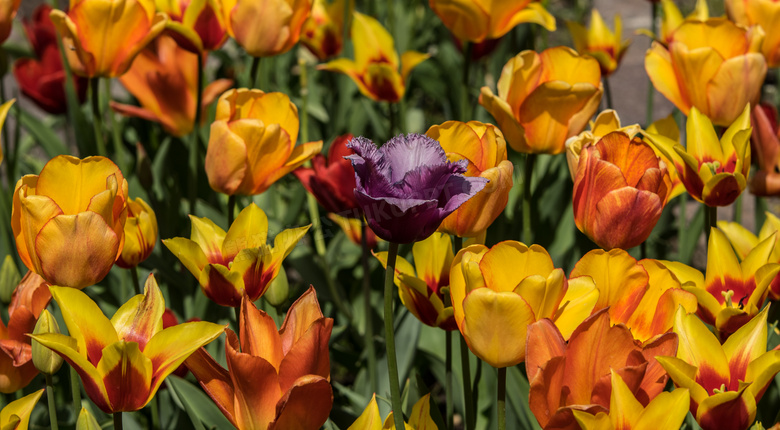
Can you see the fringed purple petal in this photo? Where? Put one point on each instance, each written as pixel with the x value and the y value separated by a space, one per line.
pixel 371 172
pixel 458 190
pixel 400 220
pixel 407 153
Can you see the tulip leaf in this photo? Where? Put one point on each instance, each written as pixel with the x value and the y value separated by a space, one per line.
pixel 689 238
pixel 517 384
pixel 198 406
pixel 43 133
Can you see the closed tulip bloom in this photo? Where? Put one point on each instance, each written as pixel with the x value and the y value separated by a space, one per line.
pixel 407 187
pixel 420 286
pixel 265 28
pixel 123 361
pixel 140 234
pixel 606 122
pixel 252 142
pixel 600 42
pixel 745 241
pixel 497 292
pixel 544 98
pixel 237 263
pixel 16 415
pixel 45 360
pixel 331 180
pixel 323 31
pixel 763 13
pixel 8 10
pixel 164 80
pixel 725 381
pixel 766 142
pixel 376 69
pixel 102 37
pixel 714 66
pixel 714 171
pixel 275 380
pixel 620 190
pixel 69 221
pixel 29 299
pixel 477 20
pixel 198 25
pixel 484 148
pixel 419 419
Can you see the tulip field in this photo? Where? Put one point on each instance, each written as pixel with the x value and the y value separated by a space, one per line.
pixel 368 215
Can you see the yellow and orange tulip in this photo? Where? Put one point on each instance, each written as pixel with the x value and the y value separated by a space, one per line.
pixel 8 9
pixel 600 42
pixel 16 415
pixel 606 122
pixel 667 128
pixel 197 25
pixel 69 221
pixel 420 419
pixel 123 361
pixel 277 379
pixel 478 20
pixel 497 292
pixel 164 79
pixel 763 13
pixel 102 37
pixel 230 265
pixel 421 289
pixel 745 241
pixel 714 171
pixel 725 381
pixel 140 234
pixel 714 66
pixel 252 142
pixel 375 69
pixel 672 19
pixel 484 147
pixel 265 28
pixel 324 30
pixel 544 98
pixel 620 190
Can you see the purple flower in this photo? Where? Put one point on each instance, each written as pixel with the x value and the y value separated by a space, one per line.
pixel 407 187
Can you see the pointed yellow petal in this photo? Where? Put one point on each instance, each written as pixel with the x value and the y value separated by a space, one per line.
pixel 369 419
pixel 746 344
pixel 742 239
pixel 249 230
pixel 85 321
pixel 140 318
pixel 665 411
pixel 577 304
pixel 189 253
pixel 21 408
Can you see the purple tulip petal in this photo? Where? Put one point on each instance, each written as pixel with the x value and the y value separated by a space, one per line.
pixel 404 154
pixel 458 190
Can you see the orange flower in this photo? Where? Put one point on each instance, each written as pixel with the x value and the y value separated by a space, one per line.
pixel 265 28
pixel 764 13
pixel 196 24
pixel 323 31
pixel 102 37
pixel 766 141
pixel 164 79
pixel 477 20
pixel 140 234
pixel 276 380
pixel 8 10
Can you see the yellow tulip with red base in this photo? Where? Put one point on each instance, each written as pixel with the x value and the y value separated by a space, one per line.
pixel 745 241
pixel 419 419
pixel 600 42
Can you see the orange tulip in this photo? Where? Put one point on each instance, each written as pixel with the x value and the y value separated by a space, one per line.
pixel 620 190
pixel 763 13
pixel 164 79
pixel 766 142
pixel 8 10
pixel 477 20
pixel 599 42
pixel 323 31
pixel 196 24
pixel 29 299
pixel 140 234
pixel 102 37
pixel 375 69
pixel 69 221
pixel 606 122
pixel 265 28
pixel 484 147
pixel 544 98
pixel 252 142
pixel 276 380
pixel 713 65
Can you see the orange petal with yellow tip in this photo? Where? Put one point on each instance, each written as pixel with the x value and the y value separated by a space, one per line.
pixel 140 318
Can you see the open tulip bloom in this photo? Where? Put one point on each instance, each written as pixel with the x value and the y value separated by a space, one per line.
pixel 745 241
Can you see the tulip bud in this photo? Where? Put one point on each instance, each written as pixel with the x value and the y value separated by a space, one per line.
pixel 45 360
pixel 9 279
pixel 279 289
pixel 86 421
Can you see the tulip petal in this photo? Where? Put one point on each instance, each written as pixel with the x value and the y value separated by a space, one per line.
pixel 577 304
pixel 36 212
pixel 666 411
pixel 746 345
pixel 624 409
pixel 370 419
pixel 658 64
pixel 258 334
pixel 742 239
pixel 433 258
pixel 226 159
pixel 127 375
pixel 525 261
pixel 761 372
pixel 509 125
pixel 249 230
pixel 410 60
pixel 699 347
pixel 732 409
pixel 300 317
pixel 72 182
pixel 85 321
pixel 737 83
pixel 625 217
pixel 306 405
pixel 140 318
pixel 21 409
pixel 256 387
pixel 215 380
pixel 684 375
pixel 693 67
pixel 533 13
pixel 620 280
pixel 189 253
pixel 543 344
pixel 724 273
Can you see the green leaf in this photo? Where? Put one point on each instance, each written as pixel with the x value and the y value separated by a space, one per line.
pixel 200 408
pixel 42 133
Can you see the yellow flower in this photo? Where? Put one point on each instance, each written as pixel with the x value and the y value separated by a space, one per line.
pixel 265 28
pixel 599 42
pixel 420 418
pixel 324 30
pixel 764 13
pixel 477 20
pixel 16 415
pixel 140 234
pixel 744 241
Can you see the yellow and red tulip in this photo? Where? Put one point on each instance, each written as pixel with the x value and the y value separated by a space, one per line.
pixel 497 292
pixel 69 220
pixel 164 79
pixel 230 265
pixel 123 361
pixel 600 42
pixel 544 98
pixel 421 289
pixel 725 381
pixel 745 241
pixel 252 142
pixel 714 171
pixel 731 293
pixel 763 13
pixel 376 69
pixel 643 296
pixel 420 419
pixel 620 191
pixel 265 28
pixel 196 25
pixel 16 415
pixel 714 66
pixel 324 30
pixel 102 37
pixel 565 377
pixel 606 122
pixel 277 379
pixel 484 147
pixel 478 20
pixel 140 234
pixel 766 141
pixel 353 228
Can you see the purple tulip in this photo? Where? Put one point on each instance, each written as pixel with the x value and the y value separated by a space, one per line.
pixel 407 187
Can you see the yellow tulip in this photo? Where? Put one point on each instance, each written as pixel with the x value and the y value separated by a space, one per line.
pixel 477 20
pixel 140 234
pixel 744 241
pixel 667 128
pixel 599 42
pixel 265 28
pixel 606 122
pixel 672 18
pixel 197 24
pixel 544 98
pixel 764 13
pixel 420 419
pixel 16 415
pixel 324 30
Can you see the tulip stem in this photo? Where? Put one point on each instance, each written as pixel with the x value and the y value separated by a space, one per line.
pixel 369 336
pixel 448 378
pixel 115 132
pixel 52 403
pixel 392 363
pixel 738 210
pixel 136 283
pixel 393 114
pixel 231 207
pixel 501 395
pixel 155 412
pixel 195 148
pixel 254 73
pixel 650 87
pixel 75 389
pixel 97 117
pixel 528 175
pixel 117 421
pixel 468 400
pixel 464 100
pixel 607 92
pixel 712 219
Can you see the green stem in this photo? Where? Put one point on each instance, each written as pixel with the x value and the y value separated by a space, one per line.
pixel 97 117
pixel 369 336
pixel 465 112
pixel 448 387
pixel 254 73
pixel 136 283
pixel 643 250
pixel 116 134
pixel 712 219
pixel 391 28
pixel 155 413
pixel 738 210
pixel 117 421
pixel 231 207
pixel 468 401
pixel 237 311
pixel 75 390
pixel 650 87
pixel 52 403
pixel 393 120
pixel 528 175
pixel 607 92
pixel 195 140
pixel 682 224
pixel 392 364
pixel 501 396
